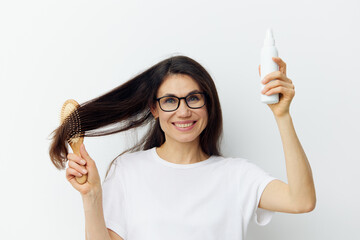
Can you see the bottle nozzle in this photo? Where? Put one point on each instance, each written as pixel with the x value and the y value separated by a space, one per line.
pixel 269 38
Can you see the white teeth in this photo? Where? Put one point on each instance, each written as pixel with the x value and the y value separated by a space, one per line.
pixel 184 125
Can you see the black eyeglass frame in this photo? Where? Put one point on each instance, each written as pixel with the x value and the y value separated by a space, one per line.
pixel 203 93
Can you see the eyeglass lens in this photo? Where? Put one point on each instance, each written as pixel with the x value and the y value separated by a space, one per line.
pixel 195 100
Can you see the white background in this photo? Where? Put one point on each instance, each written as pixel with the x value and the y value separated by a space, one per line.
pixel 51 51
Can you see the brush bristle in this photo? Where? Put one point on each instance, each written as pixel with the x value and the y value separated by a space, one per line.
pixel 69 113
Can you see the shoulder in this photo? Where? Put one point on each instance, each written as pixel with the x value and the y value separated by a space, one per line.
pixel 133 158
pixel 243 166
pixel 127 163
pixel 237 161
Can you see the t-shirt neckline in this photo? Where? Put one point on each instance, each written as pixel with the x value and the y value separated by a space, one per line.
pixel 178 165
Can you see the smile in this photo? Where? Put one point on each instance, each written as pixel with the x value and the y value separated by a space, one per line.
pixel 184 126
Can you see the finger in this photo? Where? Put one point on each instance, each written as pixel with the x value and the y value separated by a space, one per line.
pixel 77 167
pixel 70 173
pixel 259 70
pixel 76 158
pixel 281 63
pixel 281 89
pixel 274 75
pixel 71 177
pixel 276 83
pixel 84 153
pixel 277 75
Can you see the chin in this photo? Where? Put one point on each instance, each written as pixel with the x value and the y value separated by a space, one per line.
pixel 184 139
pixel 187 140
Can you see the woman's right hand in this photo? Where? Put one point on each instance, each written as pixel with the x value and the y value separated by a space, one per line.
pixel 75 167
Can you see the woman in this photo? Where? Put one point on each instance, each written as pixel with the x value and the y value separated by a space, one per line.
pixel 174 184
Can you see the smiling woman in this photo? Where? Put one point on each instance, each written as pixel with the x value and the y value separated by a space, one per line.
pixel 174 183
pixel 130 104
pixel 182 124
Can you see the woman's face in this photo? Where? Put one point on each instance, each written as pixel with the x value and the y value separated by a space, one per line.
pixel 184 124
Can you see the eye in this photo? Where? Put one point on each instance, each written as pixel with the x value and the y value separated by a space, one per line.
pixel 193 98
pixel 169 100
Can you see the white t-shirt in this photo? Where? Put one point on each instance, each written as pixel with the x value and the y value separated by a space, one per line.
pixel 147 197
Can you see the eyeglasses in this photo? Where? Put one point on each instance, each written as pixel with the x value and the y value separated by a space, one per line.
pixel 171 103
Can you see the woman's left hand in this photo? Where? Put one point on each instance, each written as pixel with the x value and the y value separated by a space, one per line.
pixel 282 85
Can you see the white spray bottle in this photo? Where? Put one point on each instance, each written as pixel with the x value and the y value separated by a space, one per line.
pixel 268 65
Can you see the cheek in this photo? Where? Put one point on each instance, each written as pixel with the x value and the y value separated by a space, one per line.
pixel 204 116
pixel 163 118
pixel 206 121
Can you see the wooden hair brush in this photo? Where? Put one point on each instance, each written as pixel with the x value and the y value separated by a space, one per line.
pixel 69 113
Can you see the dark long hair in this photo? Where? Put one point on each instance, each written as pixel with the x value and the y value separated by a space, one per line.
pixel 128 106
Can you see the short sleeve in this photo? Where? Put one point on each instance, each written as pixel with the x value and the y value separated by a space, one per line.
pixel 262 216
pixel 254 184
pixel 114 201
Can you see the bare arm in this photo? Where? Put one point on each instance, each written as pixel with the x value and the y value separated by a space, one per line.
pixel 95 228
pixel 298 195
pixel 114 236
pixel 91 193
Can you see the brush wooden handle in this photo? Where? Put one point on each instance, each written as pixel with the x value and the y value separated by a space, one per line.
pixel 76 149
pixel 75 142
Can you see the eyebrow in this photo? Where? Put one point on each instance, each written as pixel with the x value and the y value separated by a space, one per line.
pixel 173 95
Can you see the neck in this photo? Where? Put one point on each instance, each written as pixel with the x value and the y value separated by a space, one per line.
pixel 181 153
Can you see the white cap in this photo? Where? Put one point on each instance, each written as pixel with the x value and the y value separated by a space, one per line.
pixel 269 38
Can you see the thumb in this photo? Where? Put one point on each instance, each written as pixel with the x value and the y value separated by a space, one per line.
pixel 84 154
pixel 260 70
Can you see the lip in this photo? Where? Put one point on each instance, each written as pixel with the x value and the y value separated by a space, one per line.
pixel 184 122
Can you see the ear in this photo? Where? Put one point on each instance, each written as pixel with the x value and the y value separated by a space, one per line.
pixel 154 111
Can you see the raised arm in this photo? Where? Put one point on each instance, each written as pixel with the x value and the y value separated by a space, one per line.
pixel 298 196
pixel 91 193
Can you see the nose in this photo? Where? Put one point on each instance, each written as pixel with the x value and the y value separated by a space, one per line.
pixel 183 110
